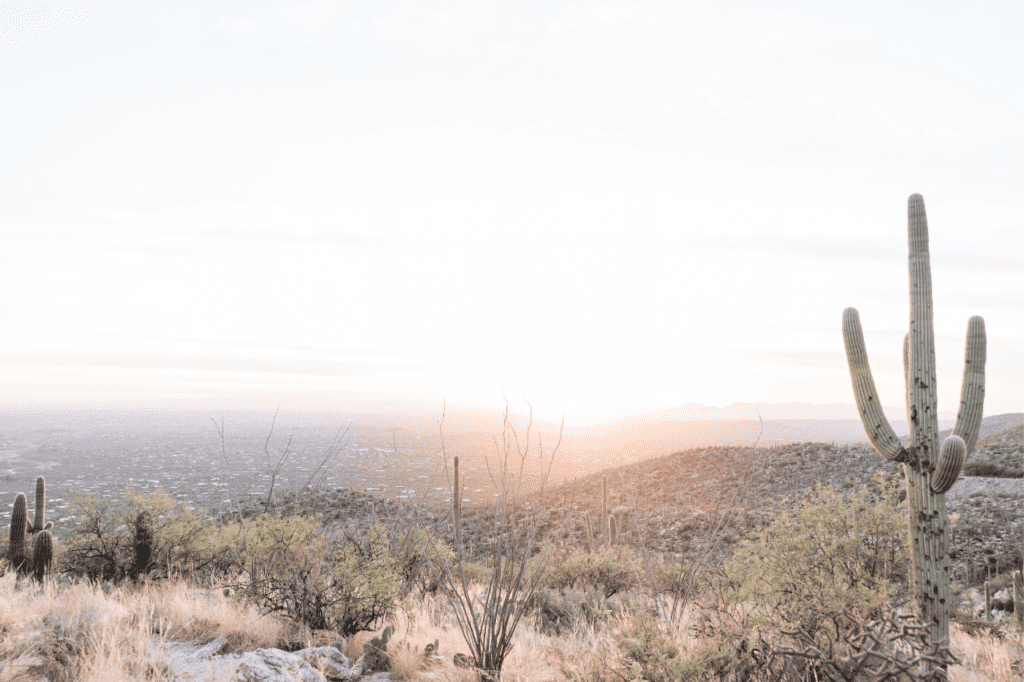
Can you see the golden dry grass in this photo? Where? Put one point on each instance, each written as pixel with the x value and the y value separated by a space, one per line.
pixel 986 658
pixel 82 633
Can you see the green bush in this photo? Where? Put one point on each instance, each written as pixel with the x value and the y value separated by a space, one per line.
pixel 607 570
pixel 555 612
pixel 237 548
pixel 344 584
pixel 830 556
pixel 650 654
pixel 102 543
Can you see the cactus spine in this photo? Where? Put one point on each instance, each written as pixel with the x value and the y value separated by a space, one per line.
pixel 929 470
pixel 42 554
pixel 19 530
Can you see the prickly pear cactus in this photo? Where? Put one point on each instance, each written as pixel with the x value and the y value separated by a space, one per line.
pixel 375 657
pixel 42 555
pixel 19 530
pixel 930 470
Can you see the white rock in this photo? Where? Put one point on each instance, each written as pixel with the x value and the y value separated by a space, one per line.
pixel 193 662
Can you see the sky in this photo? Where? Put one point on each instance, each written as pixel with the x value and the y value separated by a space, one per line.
pixel 593 207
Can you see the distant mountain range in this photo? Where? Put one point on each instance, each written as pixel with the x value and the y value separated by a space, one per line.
pixel 693 411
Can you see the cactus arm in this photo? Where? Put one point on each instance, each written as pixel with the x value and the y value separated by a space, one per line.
pixel 972 394
pixel 923 402
pixel 951 460
pixel 882 437
pixel 40 521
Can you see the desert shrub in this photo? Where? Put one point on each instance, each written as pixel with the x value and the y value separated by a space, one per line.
pixel 329 582
pixel 651 655
pixel 409 547
pixel 607 570
pixel 263 535
pixel 102 543
pixel 991 470
pixel 828 557
pixel 556 612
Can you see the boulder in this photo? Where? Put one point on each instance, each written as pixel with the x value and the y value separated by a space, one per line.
pixel 191 661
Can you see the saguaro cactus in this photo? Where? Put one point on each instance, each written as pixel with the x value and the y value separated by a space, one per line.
pixel 1018 598
pixel 929 470
pixel 42 555
pixel 604 505
pixel 19 529
pixel 40 523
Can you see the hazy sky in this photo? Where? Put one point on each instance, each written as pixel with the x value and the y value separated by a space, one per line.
pixel 599 206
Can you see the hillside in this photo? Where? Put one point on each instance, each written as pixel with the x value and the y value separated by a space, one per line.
pixel 669 503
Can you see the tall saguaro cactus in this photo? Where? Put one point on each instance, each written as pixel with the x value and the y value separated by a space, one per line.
pixel 930 470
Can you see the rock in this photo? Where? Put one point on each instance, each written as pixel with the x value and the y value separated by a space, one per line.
pixel 190 661
pixel 334 663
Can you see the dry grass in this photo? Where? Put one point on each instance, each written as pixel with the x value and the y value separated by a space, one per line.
pixel 986 658
pixel 82 633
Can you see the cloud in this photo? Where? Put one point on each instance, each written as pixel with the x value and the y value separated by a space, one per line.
pixel 201 363
pixel 248 28
pixel 827 359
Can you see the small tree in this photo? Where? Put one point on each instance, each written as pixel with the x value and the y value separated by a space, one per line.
pixel 328 582
pixel 829 557
pixel 105 542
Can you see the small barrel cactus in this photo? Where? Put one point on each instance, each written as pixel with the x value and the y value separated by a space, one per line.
pixel 42 555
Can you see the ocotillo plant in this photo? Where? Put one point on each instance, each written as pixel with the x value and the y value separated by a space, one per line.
pixel 42 554
pixel 457 506
pixel 19 530
pixel 929 470
pixel 590 533
pixel 40 523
